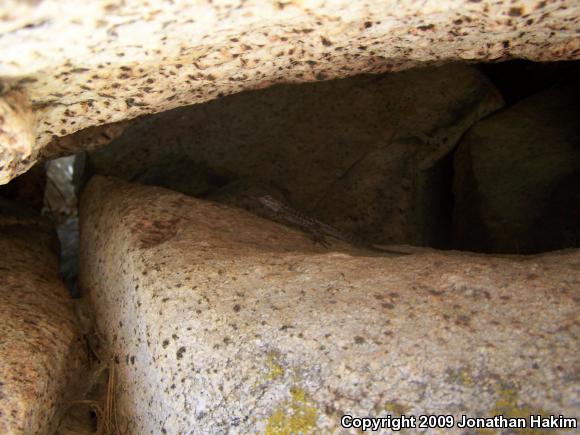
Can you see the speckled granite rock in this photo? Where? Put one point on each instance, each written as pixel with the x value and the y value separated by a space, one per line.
pixel 529 151
pixel 224 323
pixel 95 62
pixel 17 133
pixel 360 153
pixel 41 351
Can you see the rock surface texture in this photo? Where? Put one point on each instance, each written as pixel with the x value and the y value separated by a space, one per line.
pixel 41 351
pixel 361 153
pixel 74 65
pixel 221 322
pixel 517 177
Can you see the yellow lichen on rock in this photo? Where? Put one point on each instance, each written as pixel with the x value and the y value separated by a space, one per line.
pixel 295 416
pixel 396 409
pixel 507 406
pixel 275 370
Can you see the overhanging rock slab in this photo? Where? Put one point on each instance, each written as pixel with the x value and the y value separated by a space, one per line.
pixel 76 65
pixel 221 322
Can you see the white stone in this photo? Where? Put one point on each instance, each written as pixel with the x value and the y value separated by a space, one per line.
pixel 222 322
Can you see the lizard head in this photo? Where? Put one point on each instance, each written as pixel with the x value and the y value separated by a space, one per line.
pixel 270 202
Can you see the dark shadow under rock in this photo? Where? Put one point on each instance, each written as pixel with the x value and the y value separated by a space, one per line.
pixel 517 181
pixel 356 153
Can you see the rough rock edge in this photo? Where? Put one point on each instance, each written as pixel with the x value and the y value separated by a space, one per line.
pixel 17 133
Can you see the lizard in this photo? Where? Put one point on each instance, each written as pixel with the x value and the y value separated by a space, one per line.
pixel 318 229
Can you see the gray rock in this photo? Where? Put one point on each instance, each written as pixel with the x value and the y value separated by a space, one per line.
pixel 222 322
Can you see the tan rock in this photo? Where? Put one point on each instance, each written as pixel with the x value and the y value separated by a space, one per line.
pixel 17 132
pixel 92 63
pixel 221 322
pixel 42 353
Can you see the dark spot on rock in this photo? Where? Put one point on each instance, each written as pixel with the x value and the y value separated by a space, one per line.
pixel 359 340
pixel 387 305
pixel 462 320
pixel 237 308
pixel 325 41
pixel 78 70
pixel 368 24
pixel 426 27
pixel 532 276
pixel 180 352
pixel 165 343
pixel 515 12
